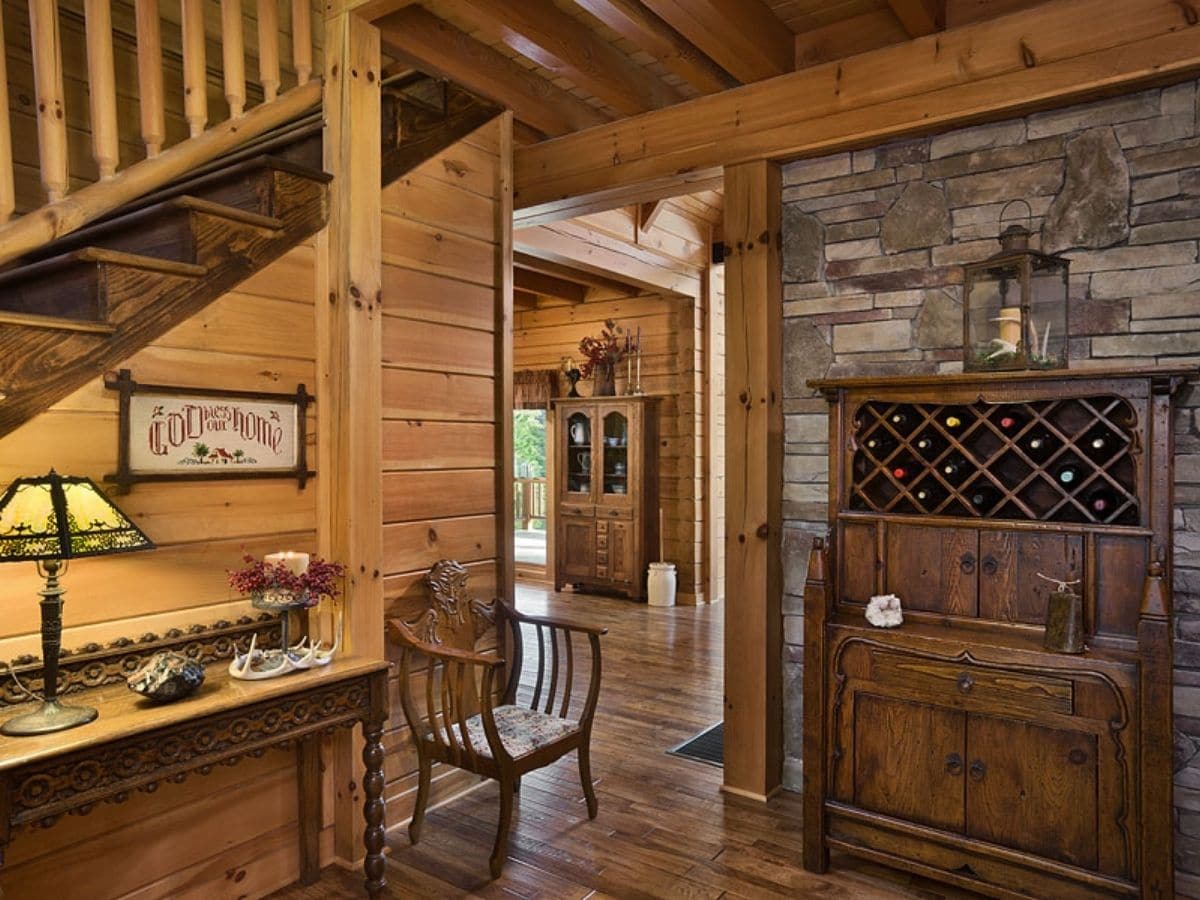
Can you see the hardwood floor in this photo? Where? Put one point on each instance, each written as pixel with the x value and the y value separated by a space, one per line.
pixel 664 830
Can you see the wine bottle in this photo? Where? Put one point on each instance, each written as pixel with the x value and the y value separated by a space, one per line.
pixel 954 419
pixel 983 498
pixel 1039 445
pixel 1010 422
pixel 1067 476
pixel 880 444
pixel 1100 445
pixel 928 446
pixel 900 418
pixel 901 473
pixel 955 468
pixel 1102 502
pixel 929 496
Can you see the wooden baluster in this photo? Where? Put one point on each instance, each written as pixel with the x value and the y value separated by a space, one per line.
pixel 234 52
pixel 268 48
pixel 8 198
pixel 48 85
pixel 102 86
pixel 195 74
pixel 150 76
pixel 302 40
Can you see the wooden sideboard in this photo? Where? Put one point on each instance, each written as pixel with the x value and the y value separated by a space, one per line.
pixel 606 493
pixel 956 745
pixel 135 746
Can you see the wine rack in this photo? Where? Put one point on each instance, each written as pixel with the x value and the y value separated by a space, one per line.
pixel 1063 460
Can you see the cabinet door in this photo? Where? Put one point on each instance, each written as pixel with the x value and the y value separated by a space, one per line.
pixel 617 472
pixel 621 557
pixel 576 459
pixel 1009 564
pixel 1033 788
pixel 933 569
pixel 908 760
pixel 576 550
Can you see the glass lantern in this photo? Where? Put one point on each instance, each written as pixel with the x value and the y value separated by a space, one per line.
pixel 1015 310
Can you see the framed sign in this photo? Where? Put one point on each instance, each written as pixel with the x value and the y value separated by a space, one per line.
pixel 176 433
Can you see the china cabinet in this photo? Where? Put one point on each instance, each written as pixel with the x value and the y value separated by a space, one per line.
pixel 606 493
pixel 956 745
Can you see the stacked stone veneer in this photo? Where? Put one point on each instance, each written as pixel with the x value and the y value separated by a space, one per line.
pixel 873 247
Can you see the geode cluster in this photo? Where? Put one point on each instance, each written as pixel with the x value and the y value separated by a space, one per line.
pixel 167 676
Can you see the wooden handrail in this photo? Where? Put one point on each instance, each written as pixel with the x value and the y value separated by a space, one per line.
pixel 95 200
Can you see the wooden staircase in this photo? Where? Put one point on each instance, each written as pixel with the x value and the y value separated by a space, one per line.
pixel 78 306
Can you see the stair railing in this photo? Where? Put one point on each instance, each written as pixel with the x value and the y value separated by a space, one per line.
pixel 64 211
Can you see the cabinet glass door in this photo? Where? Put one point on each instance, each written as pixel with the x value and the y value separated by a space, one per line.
pixel 578 446
pixel 615 483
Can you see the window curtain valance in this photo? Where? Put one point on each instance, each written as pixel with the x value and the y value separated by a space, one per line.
pixel 533 388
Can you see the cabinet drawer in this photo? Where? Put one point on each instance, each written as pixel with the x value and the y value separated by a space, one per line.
pixel 618 513
pixel 976 686
pixel 573 509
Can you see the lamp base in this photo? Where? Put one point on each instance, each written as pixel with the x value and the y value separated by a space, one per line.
pixel 51 717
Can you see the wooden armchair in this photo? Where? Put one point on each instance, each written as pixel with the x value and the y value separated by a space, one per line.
pixel 464 725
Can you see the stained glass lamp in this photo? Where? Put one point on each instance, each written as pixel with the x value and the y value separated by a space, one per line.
pixel 50 520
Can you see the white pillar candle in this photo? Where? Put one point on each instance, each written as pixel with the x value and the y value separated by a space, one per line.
pixel 296 562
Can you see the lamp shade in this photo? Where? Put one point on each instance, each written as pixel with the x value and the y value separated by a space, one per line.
pixel 58 517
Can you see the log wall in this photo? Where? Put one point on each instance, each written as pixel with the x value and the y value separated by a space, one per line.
pixel 232 833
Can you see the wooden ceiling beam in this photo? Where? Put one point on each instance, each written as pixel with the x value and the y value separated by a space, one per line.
pixel 849 37
pixel 534 282
pixel 968 12
pixel 540 31
pixel 437 48
pixel 742 36
pixel 920 17
pixel 535 262
pixel 670 186
pixel 646 31
pixel 1047 56
pixel 525 299
pixel 648 213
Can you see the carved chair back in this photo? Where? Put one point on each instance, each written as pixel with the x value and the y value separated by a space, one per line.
pixel 446 615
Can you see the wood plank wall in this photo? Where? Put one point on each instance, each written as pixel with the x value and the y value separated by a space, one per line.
pixel 232 833
pixel 82 168
pixel 440 245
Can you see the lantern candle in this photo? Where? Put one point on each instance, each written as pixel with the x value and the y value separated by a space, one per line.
pixel 1010 325
pixel 296 563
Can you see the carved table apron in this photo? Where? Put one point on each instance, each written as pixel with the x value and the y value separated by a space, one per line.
pixel 135 746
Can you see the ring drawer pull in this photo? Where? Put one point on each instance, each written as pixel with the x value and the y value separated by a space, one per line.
pixel 978 770
pixel 990 565
pixel 967 563
pixel 954 764
pixel 965 682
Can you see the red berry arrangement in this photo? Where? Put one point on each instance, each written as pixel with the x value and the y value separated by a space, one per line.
pixel 605 349
pixel 259 577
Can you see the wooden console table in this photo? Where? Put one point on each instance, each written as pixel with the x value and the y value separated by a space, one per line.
pixel 136 745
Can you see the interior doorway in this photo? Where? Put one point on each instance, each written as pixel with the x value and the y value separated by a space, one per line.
pixel 532 535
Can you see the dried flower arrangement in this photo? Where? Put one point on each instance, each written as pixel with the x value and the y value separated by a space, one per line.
pixel 259 577
pixel 607 349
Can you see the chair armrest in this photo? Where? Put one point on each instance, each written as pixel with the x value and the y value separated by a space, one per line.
pixel 514 613
pixel 399 634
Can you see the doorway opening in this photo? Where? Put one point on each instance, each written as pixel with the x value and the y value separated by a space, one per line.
pixel 531 534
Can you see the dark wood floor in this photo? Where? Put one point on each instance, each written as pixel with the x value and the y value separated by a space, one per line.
pixel 664 828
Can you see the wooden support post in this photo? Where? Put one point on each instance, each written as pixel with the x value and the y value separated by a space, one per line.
pixel 195 72
pixel 349 335
pixel 268 48
pixel 48 85
pixel 233 51
pixel 503 367
pixel 754 480
pixel 8 196
pixel 102 86
pixel 150 76
pixel 302 40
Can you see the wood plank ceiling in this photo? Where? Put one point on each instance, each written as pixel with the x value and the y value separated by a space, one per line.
pixel 565 65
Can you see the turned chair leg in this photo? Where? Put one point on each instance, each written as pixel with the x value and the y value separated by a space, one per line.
pixel 414 827
pixel 500 851
pixel 585 776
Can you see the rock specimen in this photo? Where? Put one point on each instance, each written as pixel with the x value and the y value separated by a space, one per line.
pixel 167 676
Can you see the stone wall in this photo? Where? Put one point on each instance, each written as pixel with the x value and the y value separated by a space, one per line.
pixel 873 247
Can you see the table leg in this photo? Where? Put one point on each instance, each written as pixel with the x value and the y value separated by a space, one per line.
pixel 373 808
pixel 308 779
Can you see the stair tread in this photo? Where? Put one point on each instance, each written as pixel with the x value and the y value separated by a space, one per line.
pixel 41 267
pixel 55 323
pixel 97 232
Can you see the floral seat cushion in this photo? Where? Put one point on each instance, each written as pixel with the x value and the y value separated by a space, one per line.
pixel 522 730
